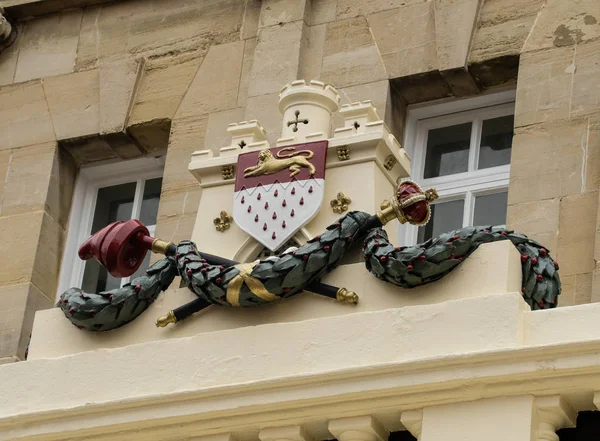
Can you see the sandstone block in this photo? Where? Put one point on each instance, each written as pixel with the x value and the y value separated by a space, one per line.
pixel 18 304
pixel 251 18
pixel 23 107
pixel 48 256
pixel 118 83
pixel 161 89
pixel 176 229
pixel 48 46
pixel 355 8
pixel 249 48
pixel 187 136
pixel 454 24
pixel 4 160
pixel 406 39
pixel 185 201
pixel 585 95
pixel 576 289
pixel 351 56
pixel 8 64
pixel 216 84
pixel 152 136
pixel 538 220
pixel 549 160
pixel 28 179
pixel 61 187
pixel 74 97
pixel 502 28
pixel 89 149
pixel 565 24
pixel 265 109
pixel 276 58
pixel 190 27
pixel 124 145
pixel 277 12
pixel 544 86
pixel 216 130
pixel 595 295
pixel 322 11
pixel 19 236
pixel 311 52
pixel 577 225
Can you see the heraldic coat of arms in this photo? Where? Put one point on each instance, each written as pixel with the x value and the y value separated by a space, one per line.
pixel 278 190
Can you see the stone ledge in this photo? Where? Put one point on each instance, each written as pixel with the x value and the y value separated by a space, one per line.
pixel 357 364
pixel 493 269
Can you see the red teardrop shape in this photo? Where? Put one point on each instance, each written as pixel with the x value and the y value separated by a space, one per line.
pixel 293 190
pixel 256 218
pixel 273 236
pixel 292 213
pixel 258 197
pixel 274 215
pixel 249 208
pixel 284 203
pixel 283 224
pixel 243 199
pixel 276 193
pixel 310 189
pixel 265 227
pixel 267 205
pixel 301 201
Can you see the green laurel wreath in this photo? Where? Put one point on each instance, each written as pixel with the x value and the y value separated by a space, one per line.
pixel 288 274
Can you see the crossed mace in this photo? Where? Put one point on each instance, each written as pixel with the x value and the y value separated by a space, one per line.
pixel 121 246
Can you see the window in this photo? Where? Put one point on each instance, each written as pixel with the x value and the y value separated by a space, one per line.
pixel 105 194
pixel 462 149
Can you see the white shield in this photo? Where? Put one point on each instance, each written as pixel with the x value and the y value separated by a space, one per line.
pixel 279 190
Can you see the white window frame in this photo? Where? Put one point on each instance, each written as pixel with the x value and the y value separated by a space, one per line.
pixel 459 186
pixel 89 180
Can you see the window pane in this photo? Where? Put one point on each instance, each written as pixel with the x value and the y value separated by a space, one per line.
pixel 447 150
pixel 445 216
pixel 149 208
pixel 113 204
pixel 496 141
pixel 491 209
pixel 96 278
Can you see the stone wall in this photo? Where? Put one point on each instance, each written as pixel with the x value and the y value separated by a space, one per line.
pixel 125 79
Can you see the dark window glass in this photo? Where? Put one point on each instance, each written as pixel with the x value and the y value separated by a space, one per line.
pixel 447 150
pixel 587 428
pixel 445 216
pixel 149 208
pixel 113 204
pixel 490 209
pixel 496 141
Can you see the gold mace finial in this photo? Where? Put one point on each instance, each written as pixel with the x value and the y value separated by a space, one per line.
pixel 166 319
pixel 409 204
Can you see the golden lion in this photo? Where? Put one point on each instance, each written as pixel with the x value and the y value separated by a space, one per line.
pixel 268 164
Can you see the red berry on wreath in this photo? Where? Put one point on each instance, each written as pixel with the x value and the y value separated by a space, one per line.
pixel 539 277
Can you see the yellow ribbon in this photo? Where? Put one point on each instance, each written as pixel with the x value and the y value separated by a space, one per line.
pixel 255 285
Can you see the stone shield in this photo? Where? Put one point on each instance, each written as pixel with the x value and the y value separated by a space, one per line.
pixel 278 190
